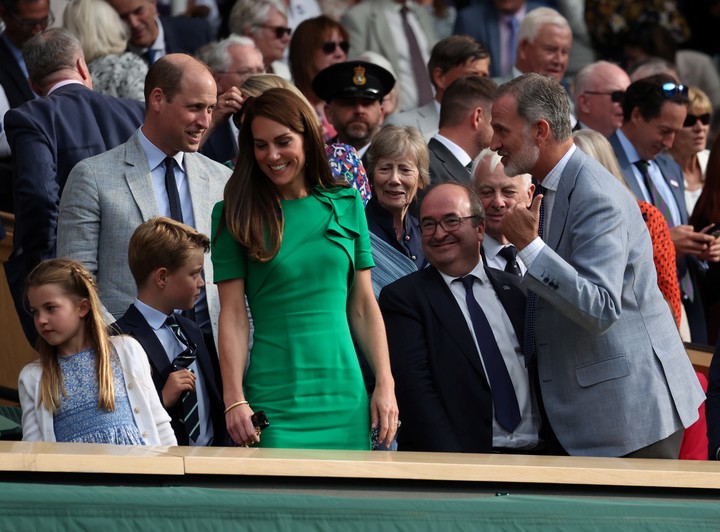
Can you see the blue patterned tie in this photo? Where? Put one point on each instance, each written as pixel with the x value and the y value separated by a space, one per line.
pixel 188 400
pixel 529 347
pixel 505 402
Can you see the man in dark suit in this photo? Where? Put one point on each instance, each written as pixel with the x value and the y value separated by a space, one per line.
pixel 48 136
pixel 462 385
pixel 166 260
pixel 654 108
pixel 178 35
pixel 464 129
pixel 496 25
pixel 22 20
pixel 614 376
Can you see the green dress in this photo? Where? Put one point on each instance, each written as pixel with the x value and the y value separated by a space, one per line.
pixel 303 371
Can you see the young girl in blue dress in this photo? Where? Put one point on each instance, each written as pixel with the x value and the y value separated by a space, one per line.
pixel 86 387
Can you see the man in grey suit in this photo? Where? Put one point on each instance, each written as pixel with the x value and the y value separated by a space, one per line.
pixel 155 173
pixel 378 26
pixel 654 108
pixel 464 129
pixel 614 376
pixel 450 59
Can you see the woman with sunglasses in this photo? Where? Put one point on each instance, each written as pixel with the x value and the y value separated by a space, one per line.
pixel 316 44
pixel 689 149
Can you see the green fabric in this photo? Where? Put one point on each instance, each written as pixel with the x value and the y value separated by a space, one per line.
pixel 56 507
pixel 304 371
pixel 10 419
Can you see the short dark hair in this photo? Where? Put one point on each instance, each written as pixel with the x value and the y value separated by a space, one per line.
pixel 166 75
pixel 648 96
pixel 162 243
pixel 454 51
pixel 463 95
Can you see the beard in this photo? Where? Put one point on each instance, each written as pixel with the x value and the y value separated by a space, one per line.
pixel 523 161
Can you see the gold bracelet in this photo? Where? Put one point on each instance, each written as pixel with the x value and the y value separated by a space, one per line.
pixel 235 404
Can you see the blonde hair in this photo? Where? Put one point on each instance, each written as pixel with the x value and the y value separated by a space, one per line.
pixel 74 280
pixel 699 102
pixel 98 27
pixel 598 147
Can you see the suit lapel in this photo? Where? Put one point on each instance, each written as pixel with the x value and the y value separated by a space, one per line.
pixel 137 175
pixel 198 183
pixel 451 317
pixel 561 204
pixel 625 166
pixel 381 30
pixel 449 161
pixel 510 298
pixel 672 174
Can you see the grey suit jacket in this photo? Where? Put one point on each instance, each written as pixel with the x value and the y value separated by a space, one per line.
pixel 614 374
pixel 444 166
pixel 107 196
pixel 425 119
pixel 369 30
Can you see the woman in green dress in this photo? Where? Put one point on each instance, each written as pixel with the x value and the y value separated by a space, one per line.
pixel 295 241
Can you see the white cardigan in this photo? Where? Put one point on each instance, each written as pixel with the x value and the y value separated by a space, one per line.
pixel 151 419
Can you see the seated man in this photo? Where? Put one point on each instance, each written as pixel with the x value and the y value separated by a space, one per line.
pixel 454 330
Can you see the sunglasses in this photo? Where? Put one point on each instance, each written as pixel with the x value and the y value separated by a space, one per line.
pixel 691 120
pixel 615 96
pixel 330 47
pixel 671 89
pixel 280 31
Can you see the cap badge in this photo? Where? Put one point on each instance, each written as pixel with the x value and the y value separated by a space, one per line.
pixel 359 77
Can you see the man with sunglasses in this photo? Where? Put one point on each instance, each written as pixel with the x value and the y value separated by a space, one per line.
pixel 654 109
pixel 599 91
pixel 455 333
pixel 614 376
pixel 354 91
pixel 153 37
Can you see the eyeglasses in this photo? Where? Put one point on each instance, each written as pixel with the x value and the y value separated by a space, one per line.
pixel 280 31
pixel 33 23
pixel 615 96
pixel 691 120
pixel 671 89
pixel 428 226
pixel 330 47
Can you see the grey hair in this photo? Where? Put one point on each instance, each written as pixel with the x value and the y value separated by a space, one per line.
pixel 540 98
pixel 401 142
pixel 217 57
pixel 536 19
pixel 50 51
pixel 246 14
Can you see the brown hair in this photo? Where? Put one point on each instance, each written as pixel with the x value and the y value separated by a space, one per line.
pixel 707 208
pixel 309 36
pixel 252 209
pixel 400 142
pixel 75 281
pixel 167 74
pixel 162 242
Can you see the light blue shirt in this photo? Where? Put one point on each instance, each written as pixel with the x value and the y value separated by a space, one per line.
pixel 655 176
pixel 173 347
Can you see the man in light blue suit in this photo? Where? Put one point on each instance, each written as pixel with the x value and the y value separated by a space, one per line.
pixel 654 109
pixel 614 375
pixel 155 173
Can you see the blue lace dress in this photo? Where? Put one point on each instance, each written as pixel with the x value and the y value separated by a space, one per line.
pixel 78 418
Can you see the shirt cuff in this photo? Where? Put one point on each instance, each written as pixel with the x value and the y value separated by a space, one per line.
pixel 530 252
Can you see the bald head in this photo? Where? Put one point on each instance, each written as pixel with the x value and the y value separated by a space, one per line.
pixel 598 104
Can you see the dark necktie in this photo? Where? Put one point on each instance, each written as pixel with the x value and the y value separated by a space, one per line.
pixel 509 253
pixel 188 400
pixel 150 55
pixel 172 190
pixel 656 199
pixel 507 412
pixel 420 72
pixel 529 347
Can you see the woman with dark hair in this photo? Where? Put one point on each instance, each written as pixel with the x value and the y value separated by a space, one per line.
pixel 316 44
pixel 706 216
pixel 295 241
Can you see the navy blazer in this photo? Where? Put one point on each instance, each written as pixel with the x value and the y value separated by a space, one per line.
pixel 135 324
pixel 220 146
pixel 442 391
pixel 48 136
pixel 185 34
pixel 480 21
pixel 13 81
